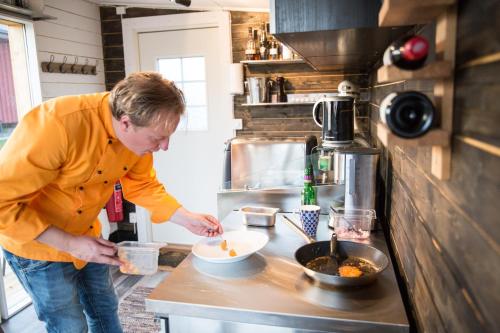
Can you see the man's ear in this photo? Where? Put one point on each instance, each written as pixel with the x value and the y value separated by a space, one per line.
pixel 125 123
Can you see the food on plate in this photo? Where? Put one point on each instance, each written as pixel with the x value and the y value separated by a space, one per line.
pixel 223 245
pixel 350 271
pixel 232 253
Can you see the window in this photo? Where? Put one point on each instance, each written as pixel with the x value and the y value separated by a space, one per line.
pixel 19 92
pixel 189 76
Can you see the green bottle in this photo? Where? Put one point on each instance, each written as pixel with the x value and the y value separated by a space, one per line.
pixel 308 194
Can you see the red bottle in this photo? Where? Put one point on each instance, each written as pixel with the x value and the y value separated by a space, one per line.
pixel 409 53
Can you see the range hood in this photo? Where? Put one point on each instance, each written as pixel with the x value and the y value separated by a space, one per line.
pixel 333 35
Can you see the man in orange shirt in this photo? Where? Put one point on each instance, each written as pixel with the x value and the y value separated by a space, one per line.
pixel 57 171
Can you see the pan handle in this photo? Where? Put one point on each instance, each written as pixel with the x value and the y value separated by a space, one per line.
pixel 295 227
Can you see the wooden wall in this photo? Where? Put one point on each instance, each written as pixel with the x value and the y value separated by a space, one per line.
pixel 290 120
pixel 76 31
pixel 445 233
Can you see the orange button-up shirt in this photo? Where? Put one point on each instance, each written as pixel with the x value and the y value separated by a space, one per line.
pixel 58 169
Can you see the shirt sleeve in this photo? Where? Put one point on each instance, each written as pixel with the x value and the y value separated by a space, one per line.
pixel 30 160
pixel 141 187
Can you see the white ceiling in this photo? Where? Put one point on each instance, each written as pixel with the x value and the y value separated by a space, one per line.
pixel 237 5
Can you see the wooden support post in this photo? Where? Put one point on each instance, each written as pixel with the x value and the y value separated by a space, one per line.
pixel 443 89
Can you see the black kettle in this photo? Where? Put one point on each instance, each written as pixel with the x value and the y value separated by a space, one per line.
pixel 337 120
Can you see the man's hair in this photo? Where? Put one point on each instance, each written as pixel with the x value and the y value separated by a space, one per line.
pixel 146 97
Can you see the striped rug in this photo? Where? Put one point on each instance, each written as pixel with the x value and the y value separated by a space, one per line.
pixel 133 315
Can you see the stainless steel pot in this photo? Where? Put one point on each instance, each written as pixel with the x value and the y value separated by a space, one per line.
pixel 314 249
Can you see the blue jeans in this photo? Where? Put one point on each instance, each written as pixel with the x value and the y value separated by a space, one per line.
pixel 66 299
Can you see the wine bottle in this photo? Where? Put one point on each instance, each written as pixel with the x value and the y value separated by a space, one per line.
pixel 250 48
pixel 263 47
pixel 409 53
pixel 408 114
pixel 273 50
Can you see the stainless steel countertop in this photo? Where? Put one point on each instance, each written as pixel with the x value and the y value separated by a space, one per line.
pixel 270 288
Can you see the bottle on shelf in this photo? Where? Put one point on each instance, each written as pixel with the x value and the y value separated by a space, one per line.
pixel 256 43
pixel 263 45
pixel 408 114
pixel 273 50
pixel 250 50
pixel 308 195
pixel 281 96
pixel 409 53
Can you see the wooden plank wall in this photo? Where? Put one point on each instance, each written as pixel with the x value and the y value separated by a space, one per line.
pixel 290 120
pixel 445 233
pixel 76 32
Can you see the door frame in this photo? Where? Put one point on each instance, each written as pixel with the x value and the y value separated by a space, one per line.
pixel 35 94
pixel 132 27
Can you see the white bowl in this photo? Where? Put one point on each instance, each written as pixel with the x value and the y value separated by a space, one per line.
pixel 245 243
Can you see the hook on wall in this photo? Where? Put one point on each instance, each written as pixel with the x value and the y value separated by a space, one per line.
pixel 65 68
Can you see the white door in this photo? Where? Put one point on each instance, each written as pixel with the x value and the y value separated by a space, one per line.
pixel 191 169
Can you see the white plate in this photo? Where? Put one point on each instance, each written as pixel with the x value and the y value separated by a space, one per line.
pixel 243 242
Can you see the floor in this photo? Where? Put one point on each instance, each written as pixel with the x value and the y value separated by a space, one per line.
pixel 26 320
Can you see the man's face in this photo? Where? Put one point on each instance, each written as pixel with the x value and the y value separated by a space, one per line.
pixel 143 140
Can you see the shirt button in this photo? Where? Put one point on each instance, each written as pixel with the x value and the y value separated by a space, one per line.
pixel 79 211
pixel 125 168
pixel 110 141
pixel 80 188
pixel 91 227
pixel 99 171
pixel 105 182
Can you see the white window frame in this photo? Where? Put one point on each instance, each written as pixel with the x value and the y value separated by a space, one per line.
pixel 35 98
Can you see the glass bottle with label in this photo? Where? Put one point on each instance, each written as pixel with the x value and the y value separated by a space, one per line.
pixel 308 194
pixel 250 50
pixel 263 46
pixel 273 50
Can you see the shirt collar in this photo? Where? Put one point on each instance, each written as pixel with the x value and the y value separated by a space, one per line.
pixel 106 116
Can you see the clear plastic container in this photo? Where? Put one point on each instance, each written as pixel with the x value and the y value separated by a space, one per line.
pixel 352 223
pixel 259 216
pixel 139 258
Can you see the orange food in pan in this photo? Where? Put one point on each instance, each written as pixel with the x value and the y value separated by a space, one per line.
pixel 232 253
pixel 350 271
pixel 223 245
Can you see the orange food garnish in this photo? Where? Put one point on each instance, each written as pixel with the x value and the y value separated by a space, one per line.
pixel 350 271
pixel 223 245
pixel 232 253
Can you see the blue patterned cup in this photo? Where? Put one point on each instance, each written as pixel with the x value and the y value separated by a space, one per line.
pixel 309 216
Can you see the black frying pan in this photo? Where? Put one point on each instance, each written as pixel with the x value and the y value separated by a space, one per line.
pixel 314 250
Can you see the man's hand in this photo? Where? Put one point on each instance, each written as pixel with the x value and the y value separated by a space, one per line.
pixel 199 224
pixel 92 249
pixel 82 247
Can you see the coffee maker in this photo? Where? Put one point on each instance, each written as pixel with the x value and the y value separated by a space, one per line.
pixel 337 123
pixel 341 160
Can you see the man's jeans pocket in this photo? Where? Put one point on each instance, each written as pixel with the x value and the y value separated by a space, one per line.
pixel 24 264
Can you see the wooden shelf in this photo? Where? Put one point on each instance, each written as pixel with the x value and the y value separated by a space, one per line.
pixel 273 62
pixel 278 104
pixel 435 137
pixel 434 70
pixel 444 12
pixel 404 12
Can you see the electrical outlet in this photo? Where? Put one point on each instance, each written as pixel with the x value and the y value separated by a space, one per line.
pixel 132 217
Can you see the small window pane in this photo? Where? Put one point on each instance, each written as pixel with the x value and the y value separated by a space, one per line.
pixel 195 93
pixel 197 118
pixel 193 68
pixel 170 69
